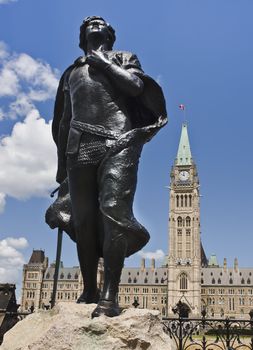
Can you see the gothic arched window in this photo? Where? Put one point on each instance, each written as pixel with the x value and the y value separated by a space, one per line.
pixel 61 276
pixel 213 281
pixel 188 221
pixel 242 281
pixel 69 276
pixel 185 201
pixel 219 281
pixel 177 198
pixel 230 281
pixel 179 221
pixel 183 281
pixel 182 200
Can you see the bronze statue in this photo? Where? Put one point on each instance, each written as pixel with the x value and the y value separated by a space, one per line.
pixel 106 109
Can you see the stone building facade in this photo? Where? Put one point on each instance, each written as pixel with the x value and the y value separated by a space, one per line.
pixel 185 274
pixel 38 279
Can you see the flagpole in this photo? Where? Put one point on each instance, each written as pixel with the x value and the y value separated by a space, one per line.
pixel 182 107
pixel 185 120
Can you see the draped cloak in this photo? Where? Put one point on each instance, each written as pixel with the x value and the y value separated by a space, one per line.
pixel 148 116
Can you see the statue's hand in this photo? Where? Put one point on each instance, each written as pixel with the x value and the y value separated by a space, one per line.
pixel 97 59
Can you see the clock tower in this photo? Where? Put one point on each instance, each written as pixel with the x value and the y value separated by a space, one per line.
pixel 184 262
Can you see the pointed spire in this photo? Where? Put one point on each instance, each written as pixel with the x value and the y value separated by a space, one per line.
pixel 184 156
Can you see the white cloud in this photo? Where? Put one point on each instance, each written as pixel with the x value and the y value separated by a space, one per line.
pixel 35 72
pixel 11 259
pixel 25 81
pixel 6 1
pixel 20 107
pixel 1 114
pixel 28 154
pixel 18 243
pixel 3 50
pixel 9 85
pixel 2 202
pixel 28 159
pixel 158 254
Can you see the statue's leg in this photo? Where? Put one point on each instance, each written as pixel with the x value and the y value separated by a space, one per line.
pixel 84 201
pixel 117 181
pixel 115 248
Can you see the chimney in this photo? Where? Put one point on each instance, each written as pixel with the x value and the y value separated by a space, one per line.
pixel 236 265
pixel 225 264
pixel 142 264
pixel 152 264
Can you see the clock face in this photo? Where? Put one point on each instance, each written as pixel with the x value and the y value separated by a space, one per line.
pixel 184 175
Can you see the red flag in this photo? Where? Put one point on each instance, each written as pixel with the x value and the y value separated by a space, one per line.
pixel 182 107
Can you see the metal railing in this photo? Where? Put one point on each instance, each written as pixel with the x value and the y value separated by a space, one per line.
pixel 210 333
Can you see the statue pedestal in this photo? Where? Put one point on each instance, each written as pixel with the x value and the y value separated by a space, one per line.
pixel 69 327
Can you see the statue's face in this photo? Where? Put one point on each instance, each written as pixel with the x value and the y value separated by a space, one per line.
pixel 96 27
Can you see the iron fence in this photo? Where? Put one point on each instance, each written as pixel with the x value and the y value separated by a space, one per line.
pixel 210 333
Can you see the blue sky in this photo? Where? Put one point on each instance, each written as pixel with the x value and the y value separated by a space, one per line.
pixel 201 52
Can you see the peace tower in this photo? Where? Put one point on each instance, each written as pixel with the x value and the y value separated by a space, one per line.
pixel 184 262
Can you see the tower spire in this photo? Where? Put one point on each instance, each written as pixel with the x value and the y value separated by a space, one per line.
pixel 184 156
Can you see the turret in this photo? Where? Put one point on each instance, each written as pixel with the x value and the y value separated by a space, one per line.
pixel 236 265
pixel 225 264
pixel 142 264
pixel 152 264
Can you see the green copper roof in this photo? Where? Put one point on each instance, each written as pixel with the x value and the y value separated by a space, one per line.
pixel 184 156
pixel 213 260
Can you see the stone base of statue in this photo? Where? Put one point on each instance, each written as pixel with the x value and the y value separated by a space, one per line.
pixel 69 327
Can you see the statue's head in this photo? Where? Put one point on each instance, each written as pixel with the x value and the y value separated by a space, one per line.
pixel 96 21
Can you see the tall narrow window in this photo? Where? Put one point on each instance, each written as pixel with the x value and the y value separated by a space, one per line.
pixel 182 200
pixel 188 243
pixel 177 199
pixel 179 221
pixel 190 200
pixel 183 281
pixel 185 200
pixel 179 243
pixel 188 221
